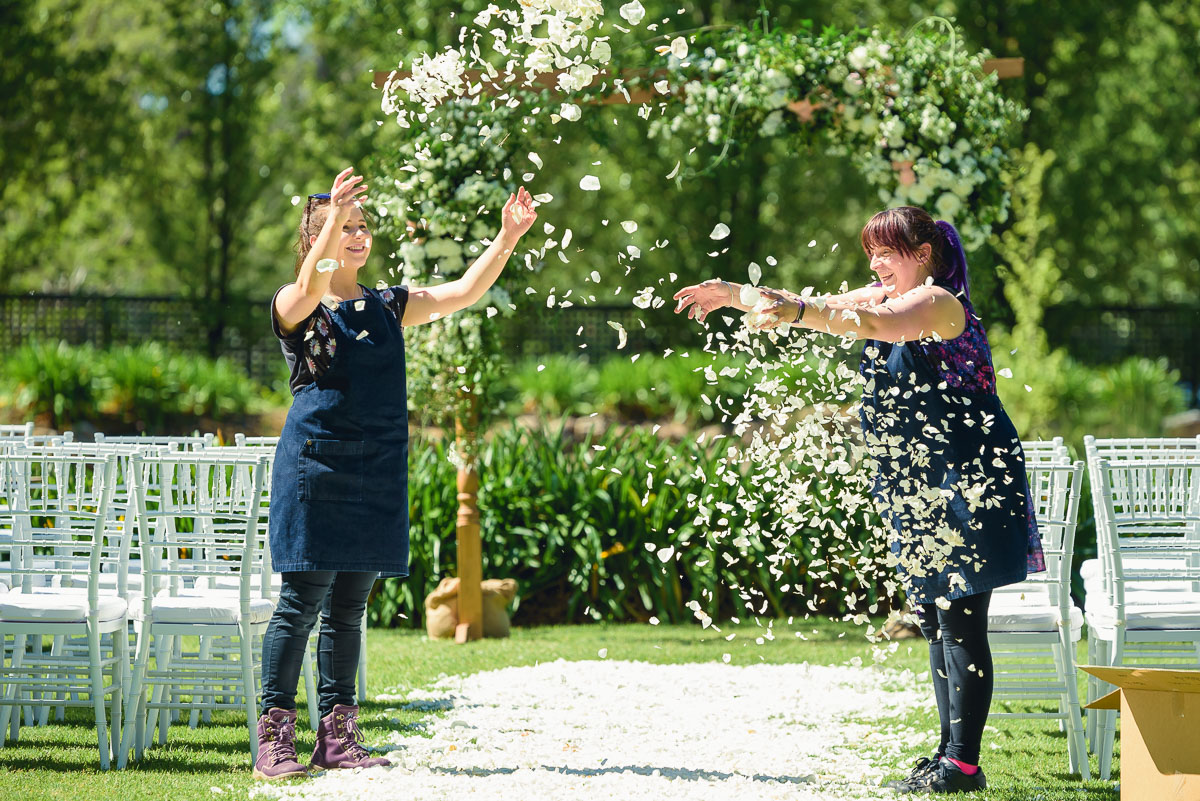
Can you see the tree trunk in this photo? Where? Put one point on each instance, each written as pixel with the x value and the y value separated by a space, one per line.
pixel 470 551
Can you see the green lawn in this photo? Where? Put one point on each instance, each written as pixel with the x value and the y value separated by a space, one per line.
pixel 60 761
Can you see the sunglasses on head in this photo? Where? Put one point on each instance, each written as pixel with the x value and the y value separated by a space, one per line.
pixel 319 196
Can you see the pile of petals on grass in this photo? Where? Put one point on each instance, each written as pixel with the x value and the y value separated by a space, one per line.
pixel 632 730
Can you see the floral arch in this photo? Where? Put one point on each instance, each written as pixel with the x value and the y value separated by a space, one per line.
pixel 922 120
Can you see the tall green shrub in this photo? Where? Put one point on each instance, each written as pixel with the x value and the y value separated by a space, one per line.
pixel 601 529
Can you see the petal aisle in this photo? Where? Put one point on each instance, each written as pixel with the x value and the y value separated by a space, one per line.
pixel 632 730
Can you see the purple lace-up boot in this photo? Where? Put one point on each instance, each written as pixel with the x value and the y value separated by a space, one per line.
pixel 339 742
pixel 277 747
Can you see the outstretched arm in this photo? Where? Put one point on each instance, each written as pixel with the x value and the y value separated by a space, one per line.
pixel 927 311
pixel 426 304
pixel 701 299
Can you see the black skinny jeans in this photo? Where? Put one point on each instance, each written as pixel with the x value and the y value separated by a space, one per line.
pixel 341 598
pixel 960 663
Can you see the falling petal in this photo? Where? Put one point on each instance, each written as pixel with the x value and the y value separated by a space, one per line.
pixel 719 231
pixel 755 273
pixel 622 336
pixel 632 12
pixel 589 183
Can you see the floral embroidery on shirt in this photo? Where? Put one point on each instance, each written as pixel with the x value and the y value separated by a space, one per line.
pixel 319 343
pixel 392 302
pixel 964 362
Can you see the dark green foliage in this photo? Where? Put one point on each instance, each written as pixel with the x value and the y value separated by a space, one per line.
pixel 146 388
pixel 577 525
pixel 56 381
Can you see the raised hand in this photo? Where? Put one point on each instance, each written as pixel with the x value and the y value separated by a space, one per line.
pixel 700 299
pixel 518 215
pixel 347 190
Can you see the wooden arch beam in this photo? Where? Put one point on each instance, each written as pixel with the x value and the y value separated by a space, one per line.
pixel 1004 67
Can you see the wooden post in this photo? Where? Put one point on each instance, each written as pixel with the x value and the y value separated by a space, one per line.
pixel 470 550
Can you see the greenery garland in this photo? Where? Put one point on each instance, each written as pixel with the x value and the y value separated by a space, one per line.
pixel 446 185
pixel 917 116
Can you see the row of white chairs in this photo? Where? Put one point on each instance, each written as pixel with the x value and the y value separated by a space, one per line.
pixel 1142 591
pixel 1142 596
pixel 71 516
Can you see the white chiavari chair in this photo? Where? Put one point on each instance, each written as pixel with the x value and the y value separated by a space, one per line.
pixel 57 511
pixel 201 530
pixel 1033 626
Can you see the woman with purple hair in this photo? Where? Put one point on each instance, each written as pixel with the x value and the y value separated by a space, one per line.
pixel 949 473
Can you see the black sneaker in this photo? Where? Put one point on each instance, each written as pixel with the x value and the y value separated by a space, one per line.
pixel 920 768
pixel 946 778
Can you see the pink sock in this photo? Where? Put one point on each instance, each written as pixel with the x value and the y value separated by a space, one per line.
pixel 970 770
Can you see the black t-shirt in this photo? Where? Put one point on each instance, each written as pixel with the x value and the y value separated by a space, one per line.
pixel 309 350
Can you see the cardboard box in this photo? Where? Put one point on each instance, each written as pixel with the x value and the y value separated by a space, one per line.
pixel 1160 730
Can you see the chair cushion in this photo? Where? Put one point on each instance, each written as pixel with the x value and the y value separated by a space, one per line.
pixel 108 583
pixel 204 607
pixel 1033 613
pixel 1092 572
pixel 232 582
pixel 1149 591
pixel 1146 610
pixel 56 607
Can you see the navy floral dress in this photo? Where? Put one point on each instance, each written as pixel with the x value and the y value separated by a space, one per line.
pixel 950 473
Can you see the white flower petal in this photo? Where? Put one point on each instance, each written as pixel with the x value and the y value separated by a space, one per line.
pixel 622 336
pixel 633 12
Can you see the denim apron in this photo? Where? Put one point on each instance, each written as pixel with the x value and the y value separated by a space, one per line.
pixel 339 486
pixel 950 477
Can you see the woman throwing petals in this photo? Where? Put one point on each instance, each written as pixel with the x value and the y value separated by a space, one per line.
pixel 339 486
pixel 949 471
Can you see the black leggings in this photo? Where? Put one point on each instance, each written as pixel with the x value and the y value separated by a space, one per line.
pixel 341 600
pixel 960 663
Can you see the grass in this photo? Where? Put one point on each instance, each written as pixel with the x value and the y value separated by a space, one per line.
pixel 60 761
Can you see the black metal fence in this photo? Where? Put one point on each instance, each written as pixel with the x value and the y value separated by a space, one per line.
pixel 1103 335
pixel 1094 335
pixel 105 321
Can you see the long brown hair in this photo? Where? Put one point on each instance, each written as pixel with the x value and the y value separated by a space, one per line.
pixel 316 211
pixel 905 229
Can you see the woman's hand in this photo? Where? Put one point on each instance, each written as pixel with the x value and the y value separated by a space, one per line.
pixel 774 308
pixel 700 299
pixel 347 191
pixel 518 215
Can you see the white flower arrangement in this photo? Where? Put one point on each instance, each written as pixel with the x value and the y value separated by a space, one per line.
pixel 923 124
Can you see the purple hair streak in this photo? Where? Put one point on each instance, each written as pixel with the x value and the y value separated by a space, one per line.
pixel 956 260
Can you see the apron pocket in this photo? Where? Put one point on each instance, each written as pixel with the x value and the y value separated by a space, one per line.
pixel 330 470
